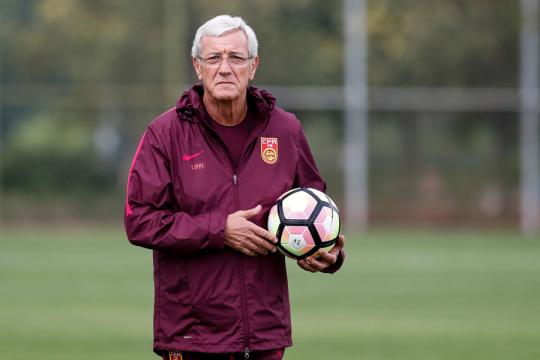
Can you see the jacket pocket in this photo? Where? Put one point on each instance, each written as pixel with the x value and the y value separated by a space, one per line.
pixel 215 296
pixel 175 308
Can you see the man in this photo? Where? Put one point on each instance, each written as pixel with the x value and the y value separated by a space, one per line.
pixel 199 191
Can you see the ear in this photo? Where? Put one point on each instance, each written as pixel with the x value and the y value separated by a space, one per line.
pixel 197 66
pixel 253 69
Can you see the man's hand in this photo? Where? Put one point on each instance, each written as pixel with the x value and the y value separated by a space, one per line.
pixel 324 260
pixel 244 236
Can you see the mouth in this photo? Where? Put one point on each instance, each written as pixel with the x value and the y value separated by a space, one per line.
pixel 225 83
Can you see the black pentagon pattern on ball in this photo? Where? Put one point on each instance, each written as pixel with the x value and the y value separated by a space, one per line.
pixel 309 223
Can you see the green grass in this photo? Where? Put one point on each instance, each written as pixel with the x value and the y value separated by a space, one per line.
pixel 73 294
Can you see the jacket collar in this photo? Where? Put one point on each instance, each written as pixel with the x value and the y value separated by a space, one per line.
pixel 190 105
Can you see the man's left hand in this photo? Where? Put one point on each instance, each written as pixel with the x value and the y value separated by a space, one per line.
pixel 324 260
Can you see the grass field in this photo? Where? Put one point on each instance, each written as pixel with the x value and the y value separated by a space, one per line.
pixel 74 294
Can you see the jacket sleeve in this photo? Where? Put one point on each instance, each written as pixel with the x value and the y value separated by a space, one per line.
pixel 149 218
pixel 307 175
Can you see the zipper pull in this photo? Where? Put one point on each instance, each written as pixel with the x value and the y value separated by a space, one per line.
pixel 246 350
pixel 235 179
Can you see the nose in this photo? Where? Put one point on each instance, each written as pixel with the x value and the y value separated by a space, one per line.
pixel 224 67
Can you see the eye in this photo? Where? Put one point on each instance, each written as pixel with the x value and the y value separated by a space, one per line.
pixel 213 59
pixel 236 58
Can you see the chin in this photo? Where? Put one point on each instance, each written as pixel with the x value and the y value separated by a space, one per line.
pixel 226 95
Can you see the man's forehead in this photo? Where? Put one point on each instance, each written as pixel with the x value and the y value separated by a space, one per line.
pixel 235 41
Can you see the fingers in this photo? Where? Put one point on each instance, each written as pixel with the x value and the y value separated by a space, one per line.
pixel 246 214
pixel 326 258
pixel 265 234
pixel 264 244
pixel 260 240
pixel 246 237
pixel 312 264
pixel 315 264
pixel 247 247
pixel 250 212
pixel 259 245
pixel 254 244
pixel 304 265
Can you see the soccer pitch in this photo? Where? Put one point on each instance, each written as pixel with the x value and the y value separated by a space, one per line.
pixel 86 295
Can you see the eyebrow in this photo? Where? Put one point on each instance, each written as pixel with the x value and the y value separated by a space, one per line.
pixel 217 53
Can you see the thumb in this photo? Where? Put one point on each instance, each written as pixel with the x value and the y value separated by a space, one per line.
pixel 251 212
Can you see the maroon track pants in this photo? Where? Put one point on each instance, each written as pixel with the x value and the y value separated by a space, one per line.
pixel 255 355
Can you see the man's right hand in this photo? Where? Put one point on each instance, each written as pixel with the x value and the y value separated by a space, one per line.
pixel 244 236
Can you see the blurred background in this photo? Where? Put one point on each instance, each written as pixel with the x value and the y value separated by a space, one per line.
pixel 80 80
pixel 422 116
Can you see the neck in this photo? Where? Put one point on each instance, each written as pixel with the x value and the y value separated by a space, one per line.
pixel 226 112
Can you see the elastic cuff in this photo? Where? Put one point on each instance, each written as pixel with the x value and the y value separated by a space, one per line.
pixel 216 230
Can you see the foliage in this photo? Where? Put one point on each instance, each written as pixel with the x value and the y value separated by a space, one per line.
pixel 444 43
pixel 74 58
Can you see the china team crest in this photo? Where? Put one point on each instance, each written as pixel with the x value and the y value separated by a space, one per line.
pixel 269 150
pixel 175 356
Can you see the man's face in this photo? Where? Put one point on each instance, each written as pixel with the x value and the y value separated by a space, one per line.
pixel 226 80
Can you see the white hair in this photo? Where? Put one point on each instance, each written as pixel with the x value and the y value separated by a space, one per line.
pixel 221 25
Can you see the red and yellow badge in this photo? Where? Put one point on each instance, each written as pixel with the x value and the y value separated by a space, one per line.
pixel 269 150
pixel 175 355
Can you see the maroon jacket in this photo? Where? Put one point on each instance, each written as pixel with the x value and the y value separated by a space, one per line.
pixel 181 187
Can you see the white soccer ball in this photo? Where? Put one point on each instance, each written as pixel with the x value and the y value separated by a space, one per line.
pixel 305 221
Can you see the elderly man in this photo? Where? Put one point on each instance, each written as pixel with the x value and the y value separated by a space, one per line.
pixel 199 191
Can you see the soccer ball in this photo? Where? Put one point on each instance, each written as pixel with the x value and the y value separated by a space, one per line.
pixel 305 221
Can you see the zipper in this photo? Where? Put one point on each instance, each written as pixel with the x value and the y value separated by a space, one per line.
pixel 242 278
pixel 244 311
pixel 256 131
pixel 235 192
pixel 255 134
